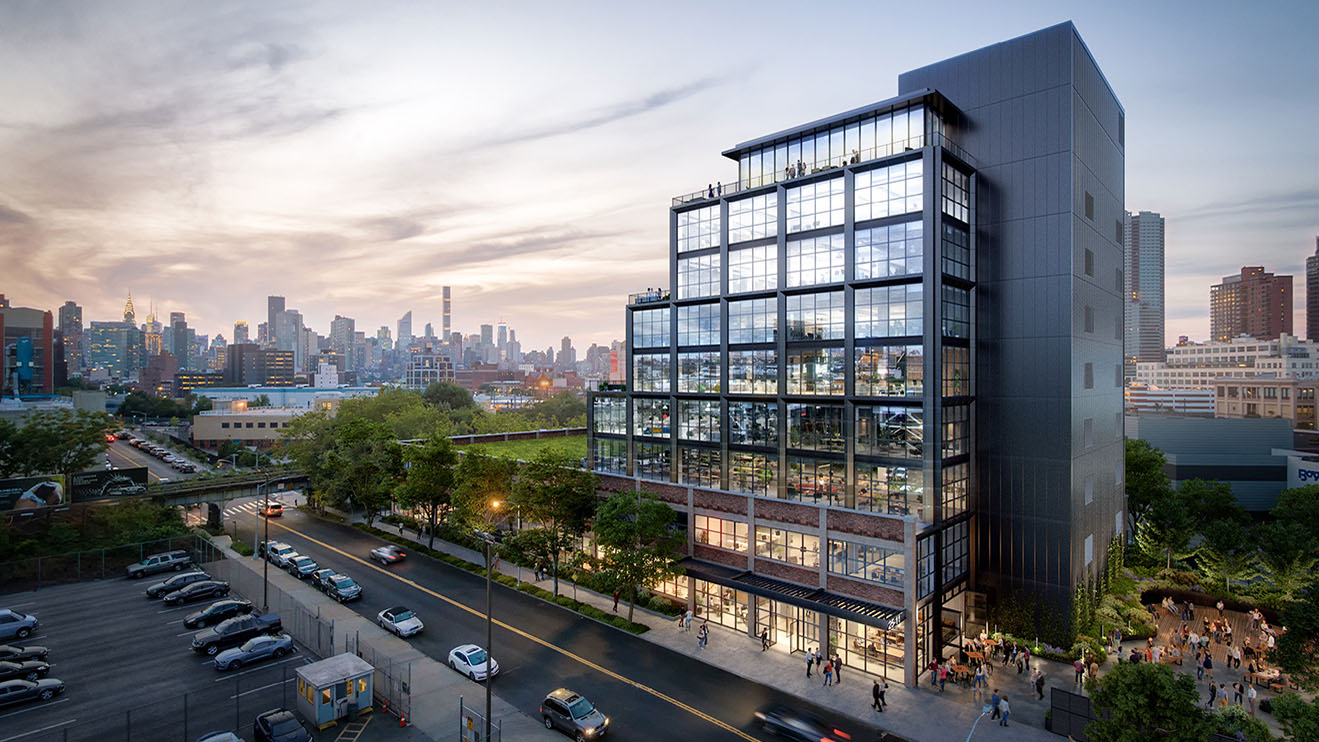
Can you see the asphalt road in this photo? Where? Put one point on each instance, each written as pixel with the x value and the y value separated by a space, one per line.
pixel 648 691
pixel 129 671
pixel 124 456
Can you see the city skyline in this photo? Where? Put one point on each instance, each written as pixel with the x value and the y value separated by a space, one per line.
pixel 193 170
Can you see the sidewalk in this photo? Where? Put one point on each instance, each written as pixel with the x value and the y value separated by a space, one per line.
pixel 921 715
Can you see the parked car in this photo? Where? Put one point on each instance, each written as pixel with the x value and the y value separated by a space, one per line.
pixel 22 691
pixel 16 625
pixel 163 562
pixel 400 620
pixel 343 589
pixel 219 737
pixel 217 612
pixel 26 670
pixel 280 554
pixel 387 554
pixel 472 661
pixel 161 589
pixel 321 578
pixel 279 725
pixel 234 631
pixel 11 653
pixel 571 713
pixel 198 591
pixel 255 650
pixel 273 510
pixel 301 566
pixel 797 725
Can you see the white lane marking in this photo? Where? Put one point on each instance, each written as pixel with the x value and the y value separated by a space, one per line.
pixel 254 690
pixel 24 605
pixel 227 676
pixel 188 633
pixel 43 729
pixel 167 610
pixel 33 708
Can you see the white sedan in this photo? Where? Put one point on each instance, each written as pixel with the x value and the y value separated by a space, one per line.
pixel 471 661
pixel 399 620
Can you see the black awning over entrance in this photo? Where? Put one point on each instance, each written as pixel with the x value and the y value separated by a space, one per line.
pixel 815 599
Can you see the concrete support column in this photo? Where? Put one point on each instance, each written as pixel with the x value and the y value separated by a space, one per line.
pixel 912 670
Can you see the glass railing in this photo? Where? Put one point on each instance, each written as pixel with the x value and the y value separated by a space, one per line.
pixel 648 296
pixel 801 170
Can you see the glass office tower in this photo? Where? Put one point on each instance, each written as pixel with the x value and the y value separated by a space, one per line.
pixel 807 396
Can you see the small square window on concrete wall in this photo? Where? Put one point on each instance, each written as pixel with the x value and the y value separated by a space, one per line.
pixel 1089 489
pixel 1089 206
pixel 1089 549
pixel 1088 432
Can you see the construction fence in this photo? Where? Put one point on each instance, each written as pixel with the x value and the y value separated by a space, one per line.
pixel 97 564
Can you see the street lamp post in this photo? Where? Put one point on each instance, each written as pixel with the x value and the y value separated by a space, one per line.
pixel 984 711
pixel 265 562
pixel 487 538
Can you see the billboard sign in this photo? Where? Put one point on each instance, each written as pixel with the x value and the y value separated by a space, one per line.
pixel 29 493
pixel 108 484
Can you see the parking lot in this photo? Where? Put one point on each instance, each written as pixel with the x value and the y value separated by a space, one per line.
pixel 130 672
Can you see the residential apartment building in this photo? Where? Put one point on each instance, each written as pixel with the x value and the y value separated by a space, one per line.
pixel 1288 398
pixel 1145 398
pixel 70 326
pixel 857 411
pixel 427 366
pixel 249 364
pixel 1143 297
pixel 27 350
pixel 1254 303
pixel 1312 294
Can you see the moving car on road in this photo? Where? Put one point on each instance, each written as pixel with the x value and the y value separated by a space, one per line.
pixel 571 713
pixel 302 566
pixel 170 560
pixel 22 691
pixel 472 661
pixel 388 554
pixel 798 725
pixel 11 653
pixel 279 725
pixel 198 591
pixel 343 589
pixel 169 585
pixel 27 670
pixel 217 612
pixel 399 620
pixel 255 650
pixel 234 631
pixel 15 624
pixel 273 510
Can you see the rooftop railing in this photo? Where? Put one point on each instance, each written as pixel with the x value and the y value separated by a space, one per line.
pixel 801 170
pixel 648 296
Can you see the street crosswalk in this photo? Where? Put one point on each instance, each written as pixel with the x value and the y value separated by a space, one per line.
pixel 248 507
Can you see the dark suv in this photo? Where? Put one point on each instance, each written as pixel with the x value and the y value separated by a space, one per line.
pixel 170 560
pixel 161 589
pixel 570 712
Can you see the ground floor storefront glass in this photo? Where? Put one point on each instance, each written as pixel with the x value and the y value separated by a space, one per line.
pixel 870 648
pixel 722 605
pixel 791 628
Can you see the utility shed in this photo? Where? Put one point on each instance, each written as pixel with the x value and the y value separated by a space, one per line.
pixel 335 688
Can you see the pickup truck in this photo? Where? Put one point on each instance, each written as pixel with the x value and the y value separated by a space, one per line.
pixel 232 632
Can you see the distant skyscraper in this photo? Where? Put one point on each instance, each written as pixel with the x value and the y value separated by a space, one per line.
pixel 405 329
pixel 430 331
pixel 444 324
pixel 383 339
pixel 240 333
pixel 1312 293
pixel 567 356
pixel 71 328
pixel 178 324
pixel 503 335
pixel 1254 303
pixel 341 338
pixel 487 334
pixel 274 305
pixel 1143 295
pixel 288 336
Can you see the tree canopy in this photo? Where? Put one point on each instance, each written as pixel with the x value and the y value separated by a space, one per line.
pixel 429 479
pixel 1143 701
pixel 637 541
pixel 559 497
pixel 53 442
pixel 445 396
pixel 1145 479
pixel 1297 651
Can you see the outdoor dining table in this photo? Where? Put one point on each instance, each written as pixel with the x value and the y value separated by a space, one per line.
pixel 961 673
pixel 976 655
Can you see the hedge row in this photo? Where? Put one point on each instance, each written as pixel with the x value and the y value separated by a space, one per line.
pixel 584 609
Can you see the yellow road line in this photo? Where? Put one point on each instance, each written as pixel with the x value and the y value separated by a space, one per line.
pixel 130 460
pixel 640 686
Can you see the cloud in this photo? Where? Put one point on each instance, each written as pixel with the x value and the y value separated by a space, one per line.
pixel 608 115
pixel 1305 200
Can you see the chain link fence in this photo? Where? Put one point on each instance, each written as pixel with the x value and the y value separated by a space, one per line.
pixel 392 683
pixel 471 725
pixel 97 564
pixel 302 623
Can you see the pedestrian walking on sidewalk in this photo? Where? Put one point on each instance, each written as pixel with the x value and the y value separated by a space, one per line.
pixel 810 661
pixel 615 601
pixel 1250 696
pixel 883 689
pixel 1039 685
pixel 1003 704
pixel 943 676
pixel 764 639
pixel 1238 692
pixel 400 528
pixel 687 621
pixel 838 668
pixel 996 703
pixel 819 658
pixel 934 672
pixel 828 673
pixel 1079 667
pixel 703 636
pixel 874 695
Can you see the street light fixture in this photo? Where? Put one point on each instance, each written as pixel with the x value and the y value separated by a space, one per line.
pixel 488 540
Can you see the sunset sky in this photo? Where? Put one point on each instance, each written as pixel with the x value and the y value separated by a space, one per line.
pixel 354 157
